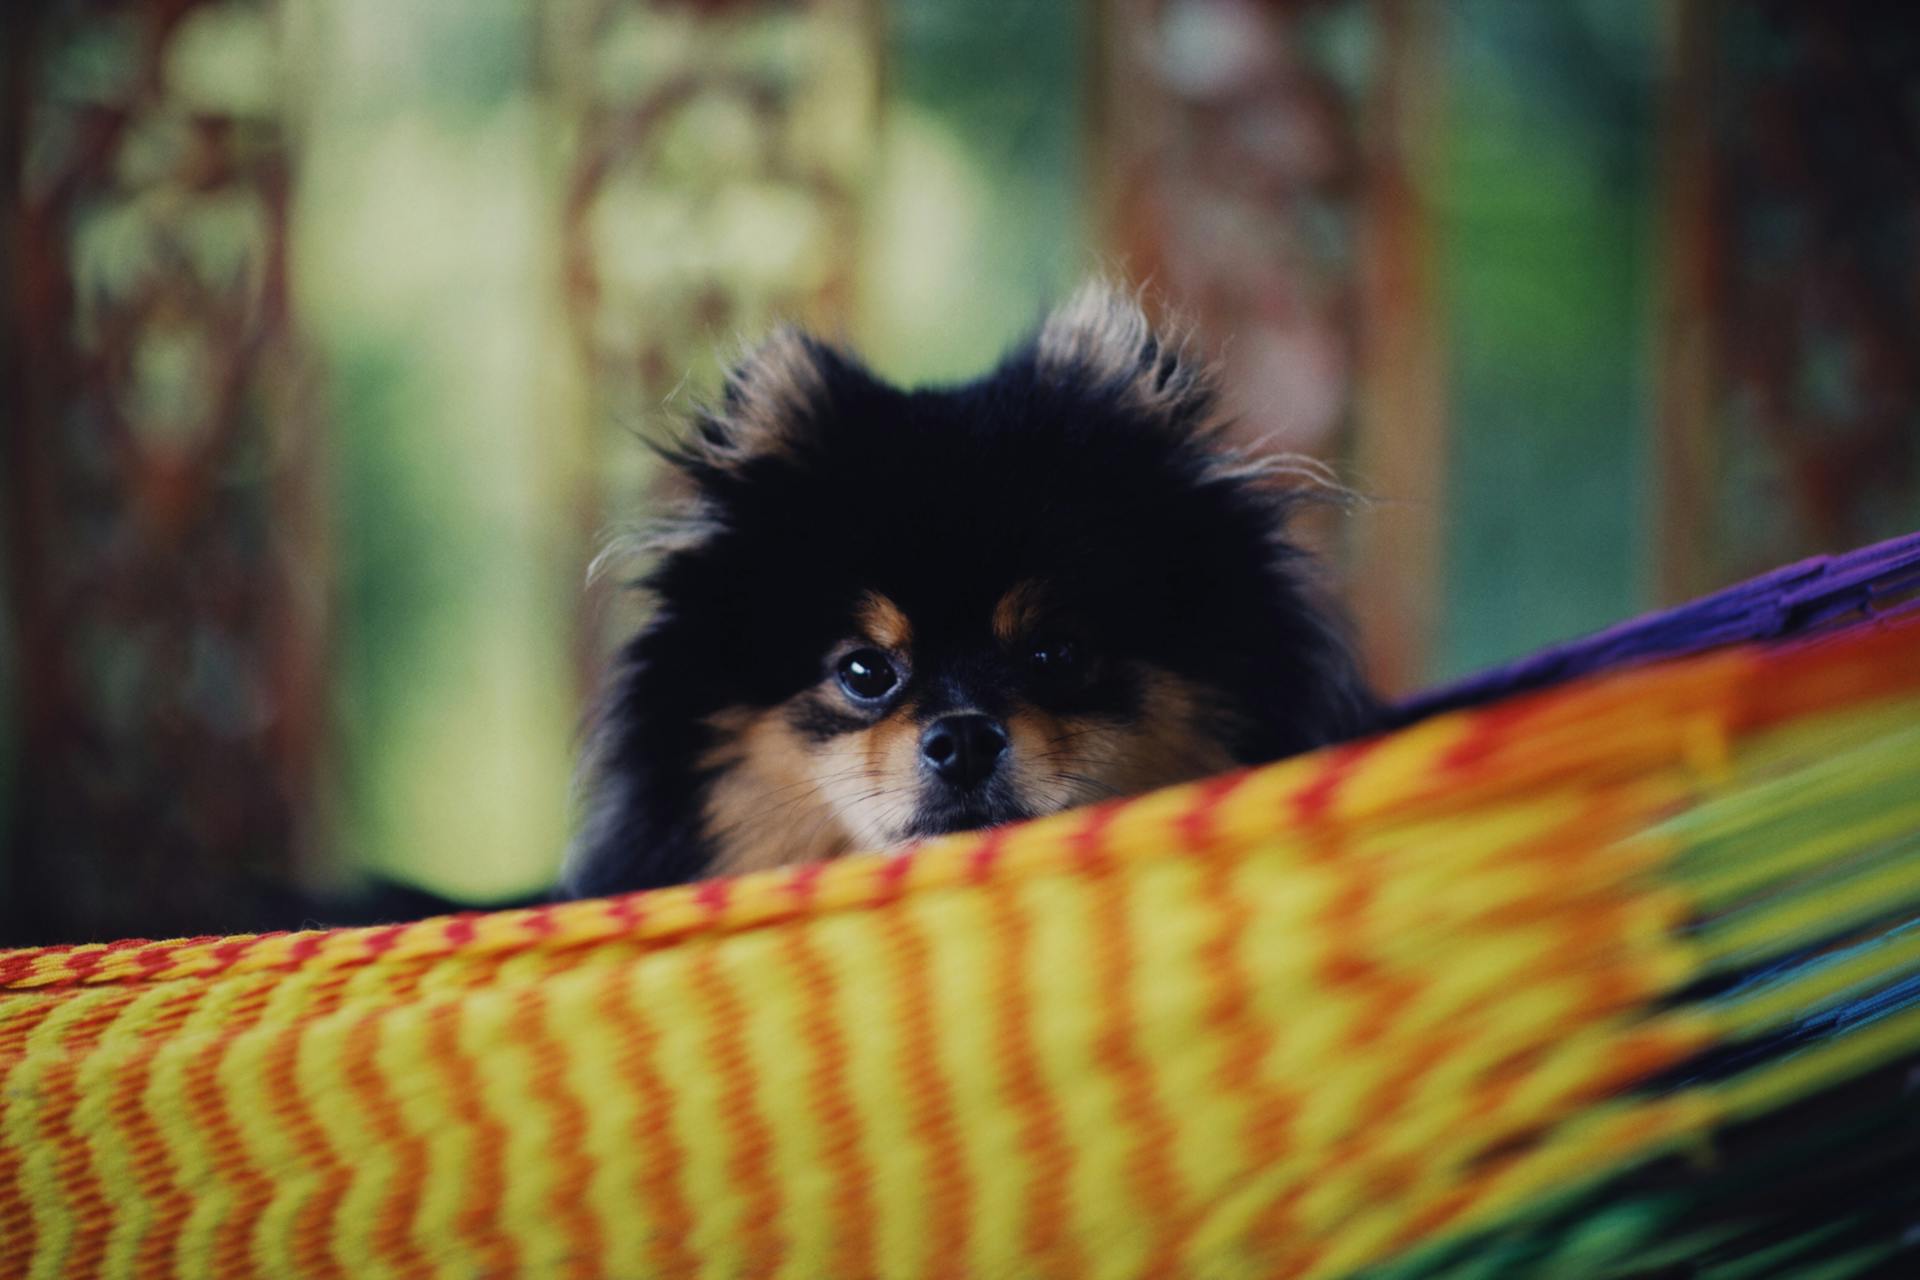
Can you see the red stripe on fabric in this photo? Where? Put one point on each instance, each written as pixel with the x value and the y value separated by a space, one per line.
pixel 531 1026
pixel 18 1240
pixel 1159 1196
pixel 152 1163
pixel 657 1191
pixel 986 855
pixel 311 1231
pixel 626 912
pixel 477 1219
pixel 229 953
pixel 947 1191
pixel 1489 729
pixel 1196 826
pixel 208 1108
pixel 1314 801
pixel 851 1235
pixel 1271 1110
pixel 714 895
pixel 892 879
pixel 83 961
pixel 1347 966
pixel 73 1153
pixel 391 1232
pixel 155 959
pixel 1045 1231
pixel 377 942
pixel 750 1160
pixel 804 883
pixel 16 965
pixel 1088 841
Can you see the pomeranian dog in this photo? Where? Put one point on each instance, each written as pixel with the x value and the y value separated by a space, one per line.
pixel 884 614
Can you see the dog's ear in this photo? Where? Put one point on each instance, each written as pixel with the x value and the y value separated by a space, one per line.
pixel 1102 335
pixel 1102 338
pixel 771 396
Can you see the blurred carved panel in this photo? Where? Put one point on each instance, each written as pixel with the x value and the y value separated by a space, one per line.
pixel 1791 390
pixel 719 153
pixel 1259 166
pixel 163 521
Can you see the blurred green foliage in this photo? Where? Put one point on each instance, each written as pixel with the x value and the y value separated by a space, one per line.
pixel 424 268
pixel 982 210
pixel 1547 241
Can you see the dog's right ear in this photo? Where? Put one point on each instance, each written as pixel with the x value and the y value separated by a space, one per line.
pixel 771 395
pixel 1102 336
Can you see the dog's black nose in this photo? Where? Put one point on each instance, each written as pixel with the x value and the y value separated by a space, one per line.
pixel 963 749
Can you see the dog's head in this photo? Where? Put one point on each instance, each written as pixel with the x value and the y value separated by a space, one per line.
pixel 885 614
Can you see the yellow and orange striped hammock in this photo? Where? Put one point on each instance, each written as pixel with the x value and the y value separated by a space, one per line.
pixel 1388 1009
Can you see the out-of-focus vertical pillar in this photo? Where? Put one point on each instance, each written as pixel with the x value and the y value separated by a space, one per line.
pixel 1790 222
pixel 1227 167
pixel 164 539
pixel 1685 323
pixel 1258 166
pixel 1397 568
pixel 717 156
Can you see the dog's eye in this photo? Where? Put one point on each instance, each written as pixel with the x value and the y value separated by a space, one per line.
pixel 867 675
pixel 1055 659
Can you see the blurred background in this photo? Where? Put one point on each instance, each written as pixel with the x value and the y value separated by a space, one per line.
pixel 327 328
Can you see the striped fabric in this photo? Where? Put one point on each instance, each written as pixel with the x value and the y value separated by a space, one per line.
pixel 1394 1007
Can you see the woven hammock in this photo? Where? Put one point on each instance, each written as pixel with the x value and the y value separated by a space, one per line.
pixel 1619 976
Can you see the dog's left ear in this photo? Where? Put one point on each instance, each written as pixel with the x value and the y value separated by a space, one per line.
pixel 1102 335
pixel 771 396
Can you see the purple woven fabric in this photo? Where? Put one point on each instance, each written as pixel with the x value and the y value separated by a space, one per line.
pixel 1823 593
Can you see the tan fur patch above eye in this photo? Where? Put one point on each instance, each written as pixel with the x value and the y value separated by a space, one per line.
pixel 1019 611
pixel 1065 761
pixel 881 621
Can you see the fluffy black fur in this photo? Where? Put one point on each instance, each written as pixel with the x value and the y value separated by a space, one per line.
pixel 1092 462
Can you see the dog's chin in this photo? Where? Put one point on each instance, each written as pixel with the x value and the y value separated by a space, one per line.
pixel 943 815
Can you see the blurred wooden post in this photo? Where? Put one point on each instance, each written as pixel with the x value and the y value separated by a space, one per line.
pixel 1790 224
pixel 164 524
pixel 1280 201
pixel 1397 573
pixel 1226 166
pixel 1685 324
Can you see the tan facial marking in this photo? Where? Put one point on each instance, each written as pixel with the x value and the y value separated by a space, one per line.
pixel 872 779
pixel 1019 611
pixel 1063 761
pixel 762 810
pixel 783 798
pixel 881 621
